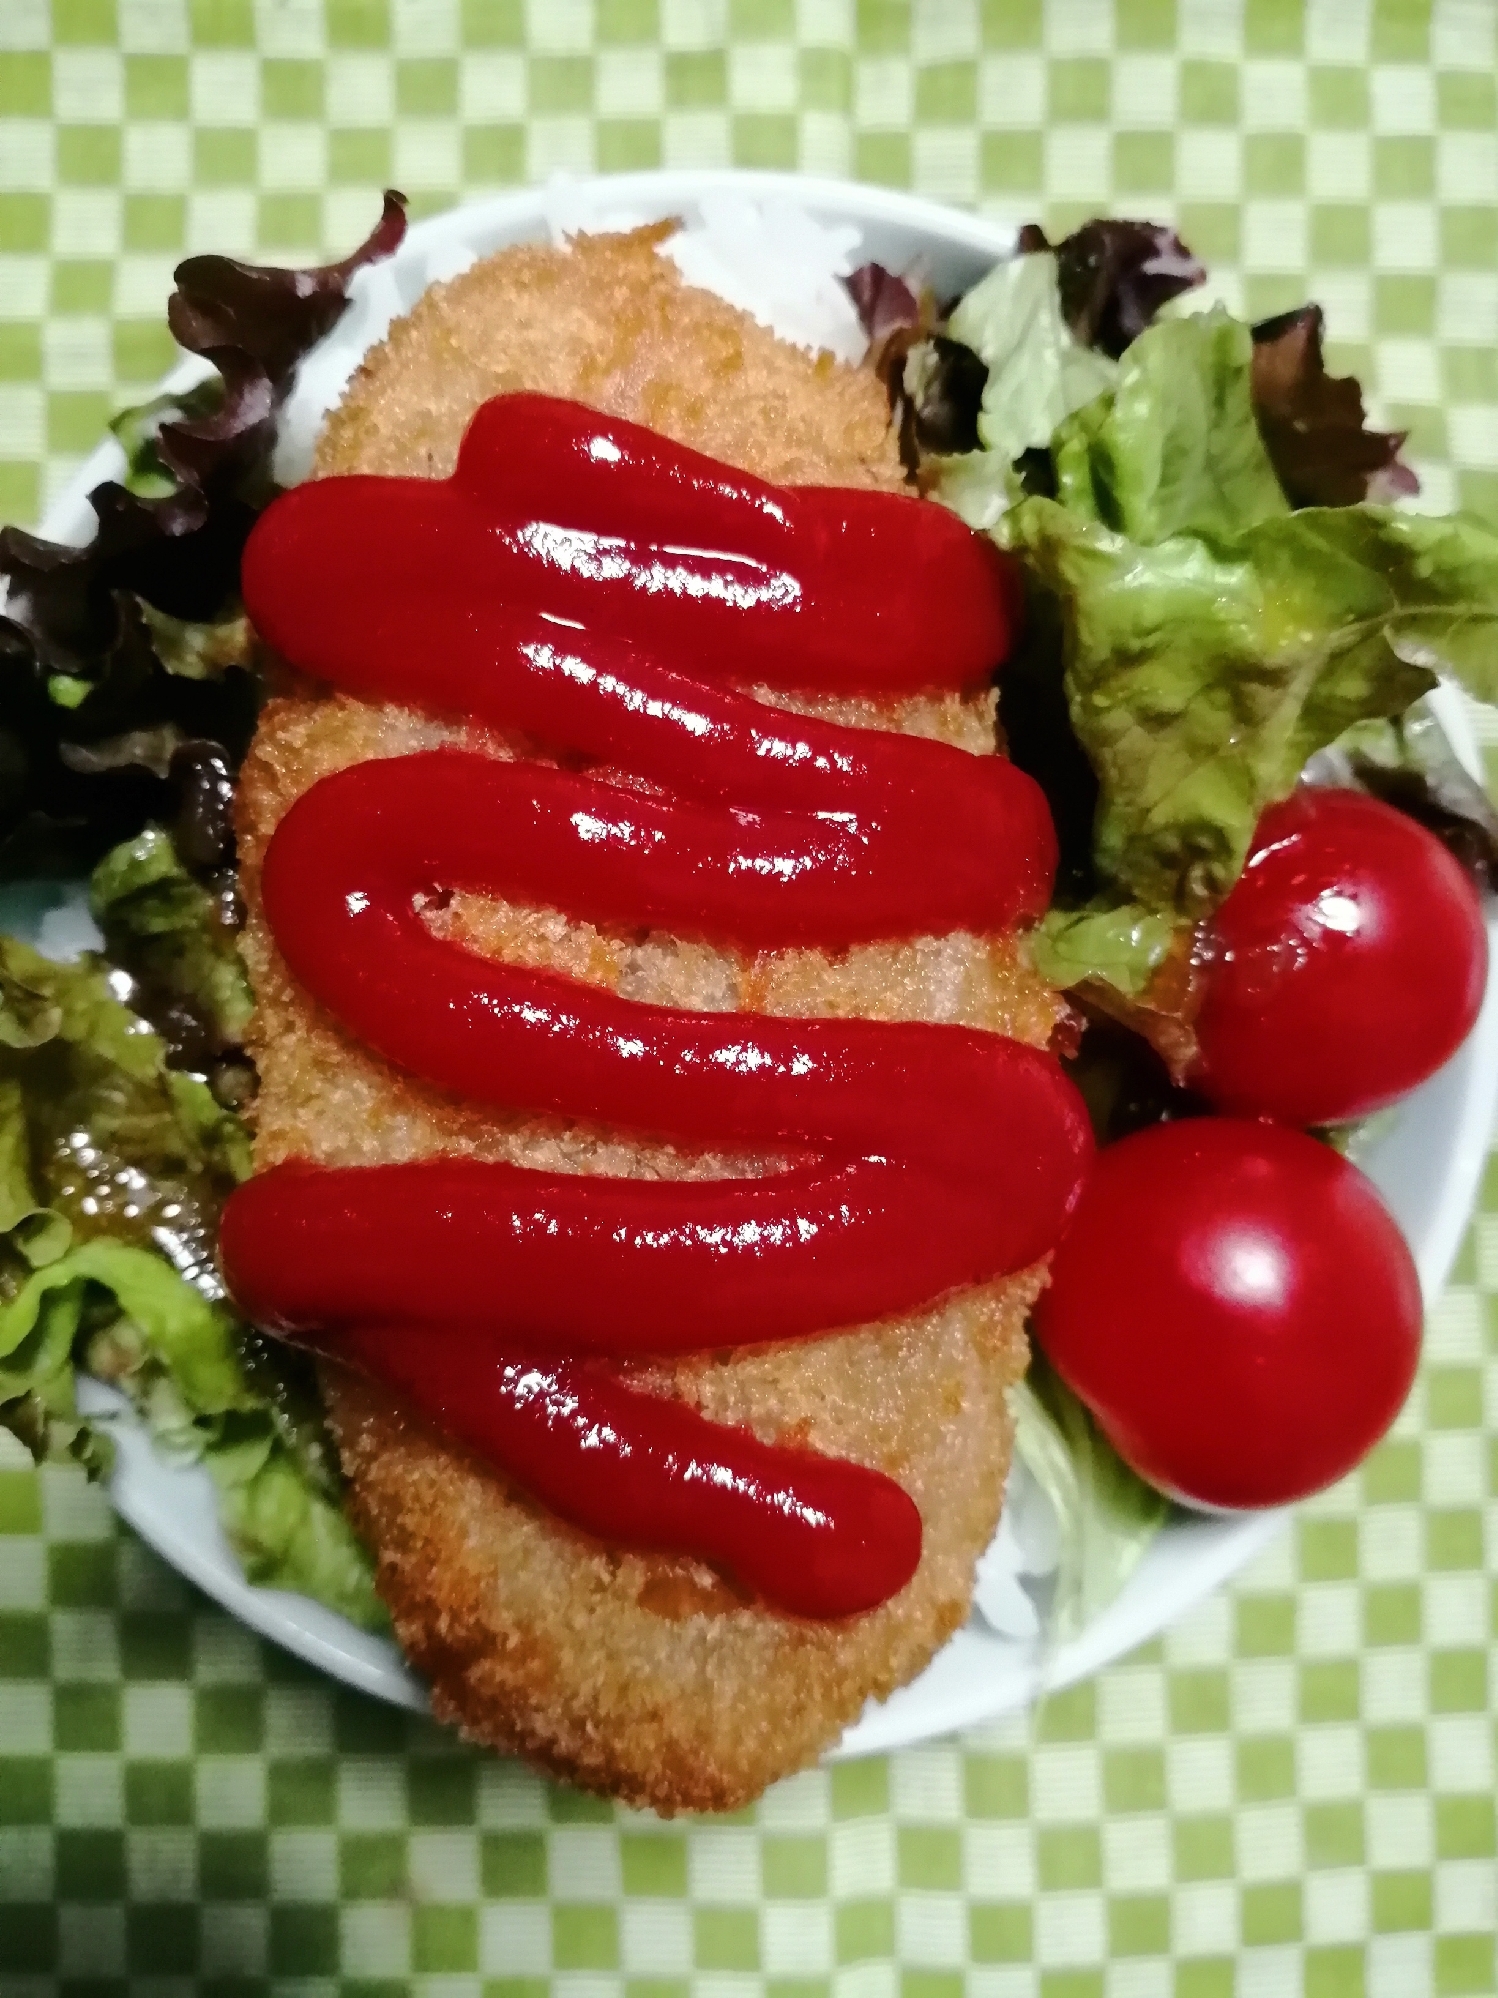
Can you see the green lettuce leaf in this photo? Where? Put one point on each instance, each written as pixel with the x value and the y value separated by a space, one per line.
pixel 138 428
pixel 132 642
pixel 125 1315
pixel 177 941
pixel 978 486
pixel 113 1167
pixel 116 1142
pixel 100 1139
pixel 1201 678
pixel 1106 1515
pixel 202 649
pixel 1038 373
pixel 1120 941
pixel 1174 448
pixel 1210 640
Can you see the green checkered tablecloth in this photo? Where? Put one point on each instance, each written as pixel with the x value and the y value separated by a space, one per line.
pixel 1293 1791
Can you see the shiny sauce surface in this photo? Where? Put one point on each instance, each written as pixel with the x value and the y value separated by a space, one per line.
pixel 606 597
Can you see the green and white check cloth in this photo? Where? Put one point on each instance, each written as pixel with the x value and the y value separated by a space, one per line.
pixel 1293 1792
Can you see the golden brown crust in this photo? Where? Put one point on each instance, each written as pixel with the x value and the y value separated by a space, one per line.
pixel 640 1675
pixel 608 323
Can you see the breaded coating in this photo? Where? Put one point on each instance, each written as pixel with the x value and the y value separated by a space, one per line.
pixel 644 1676
pixel 608 323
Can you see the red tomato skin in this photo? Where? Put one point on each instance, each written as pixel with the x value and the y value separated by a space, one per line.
pixel 1351 959
pixel 1237 1307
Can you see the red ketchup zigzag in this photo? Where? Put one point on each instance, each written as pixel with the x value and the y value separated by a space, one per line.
pixel 604 594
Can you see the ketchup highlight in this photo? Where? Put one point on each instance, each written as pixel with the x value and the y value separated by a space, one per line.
pixel 825 1538
pixel 605 594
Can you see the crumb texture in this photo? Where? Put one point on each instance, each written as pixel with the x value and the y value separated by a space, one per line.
pixel 609 323
pixel 643 1676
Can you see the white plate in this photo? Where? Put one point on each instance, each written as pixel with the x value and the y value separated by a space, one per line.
pixel 1426 1163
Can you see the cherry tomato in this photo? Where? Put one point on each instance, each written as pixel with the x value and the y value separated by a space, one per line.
pixel 1238 1309
pixel 1352 961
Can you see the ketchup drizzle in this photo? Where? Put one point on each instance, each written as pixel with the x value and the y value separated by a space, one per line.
pixel 585 585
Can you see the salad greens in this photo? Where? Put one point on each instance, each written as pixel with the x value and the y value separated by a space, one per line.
pixel 1106 1515
pixel 1108 280
pixel 174 934
pixel 115 655
pixel 1123 943
pixel 1171 446
pixel 1313 423
pixel 112 1169
pixel 138 430
pixel 1203 675
pixel 128 692
pixel 206 1396
pixel 1038 372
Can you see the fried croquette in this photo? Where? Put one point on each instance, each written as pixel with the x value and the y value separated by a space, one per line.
pixel 641 1675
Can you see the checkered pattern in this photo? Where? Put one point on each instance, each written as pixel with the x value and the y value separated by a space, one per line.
pixel 1293 1793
